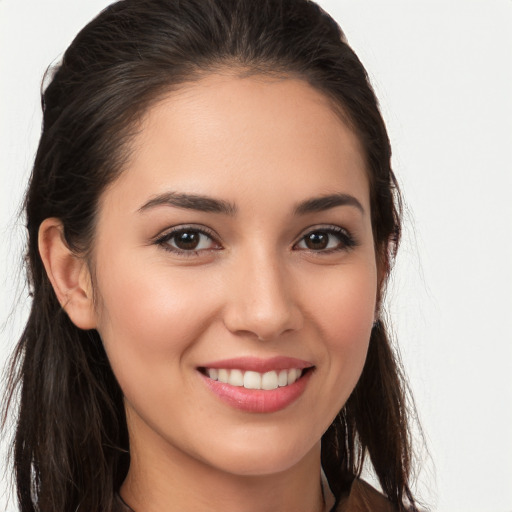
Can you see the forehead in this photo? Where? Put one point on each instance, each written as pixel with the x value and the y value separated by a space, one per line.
pixel 228 135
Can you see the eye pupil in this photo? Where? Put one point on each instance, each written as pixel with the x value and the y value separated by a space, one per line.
pixel 187 240
pixel 317 240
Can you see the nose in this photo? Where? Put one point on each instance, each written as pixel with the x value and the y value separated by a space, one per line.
pixel 262 301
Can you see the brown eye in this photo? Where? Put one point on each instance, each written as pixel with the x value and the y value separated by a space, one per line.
pixel 326 240
pixel 317 241
pixel 187 240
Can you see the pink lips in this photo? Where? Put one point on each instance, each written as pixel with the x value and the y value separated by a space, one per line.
pixel 256 400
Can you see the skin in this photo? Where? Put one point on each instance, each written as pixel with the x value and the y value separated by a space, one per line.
pixel 253 289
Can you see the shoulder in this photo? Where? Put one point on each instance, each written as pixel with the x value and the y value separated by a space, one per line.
pixel 364 498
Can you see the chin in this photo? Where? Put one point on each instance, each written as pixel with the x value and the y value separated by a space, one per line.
pixel 263 457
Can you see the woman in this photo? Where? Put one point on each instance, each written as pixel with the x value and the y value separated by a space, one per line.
pixel 212 218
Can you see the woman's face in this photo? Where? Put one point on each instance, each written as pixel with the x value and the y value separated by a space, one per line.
pixel 237 246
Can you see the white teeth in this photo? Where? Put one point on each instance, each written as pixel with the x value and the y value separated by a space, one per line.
pixel 236 378
pixel 252 380
pixel 223 376
pixel 269 381
pixel 255 380
pixel 293 375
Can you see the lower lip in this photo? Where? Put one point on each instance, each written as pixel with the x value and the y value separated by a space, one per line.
pixel 258 400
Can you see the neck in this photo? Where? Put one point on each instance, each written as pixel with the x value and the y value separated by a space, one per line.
pixel 164 478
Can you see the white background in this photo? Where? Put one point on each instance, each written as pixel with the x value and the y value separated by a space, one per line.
pixel 443 73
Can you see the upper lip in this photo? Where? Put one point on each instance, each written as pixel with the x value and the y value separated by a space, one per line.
pixel 260 365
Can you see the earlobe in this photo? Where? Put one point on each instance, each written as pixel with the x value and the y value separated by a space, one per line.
pixel 68 274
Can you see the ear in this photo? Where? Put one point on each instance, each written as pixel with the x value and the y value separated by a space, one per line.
pixel 68 274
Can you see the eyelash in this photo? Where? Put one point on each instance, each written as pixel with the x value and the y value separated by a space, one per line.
pixel 346 240
pixel 164 240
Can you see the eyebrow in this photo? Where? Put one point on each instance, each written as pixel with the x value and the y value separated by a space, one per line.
pixel 319 204
pixel 191 202
pixel 209 204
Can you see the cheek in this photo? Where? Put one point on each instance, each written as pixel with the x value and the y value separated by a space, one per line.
pixel 346 313
pixel 150 317
pixel 346 304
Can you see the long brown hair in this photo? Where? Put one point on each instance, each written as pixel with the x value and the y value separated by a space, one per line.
pixel 71 449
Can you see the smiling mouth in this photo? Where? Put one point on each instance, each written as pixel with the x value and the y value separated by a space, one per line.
pixel 255 380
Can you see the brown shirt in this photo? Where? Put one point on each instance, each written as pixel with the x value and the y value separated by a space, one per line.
pixel 361 498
